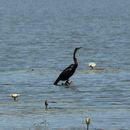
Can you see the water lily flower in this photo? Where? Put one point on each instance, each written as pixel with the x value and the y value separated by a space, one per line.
pixel 92 65
pixel 87 122
pixel 14 95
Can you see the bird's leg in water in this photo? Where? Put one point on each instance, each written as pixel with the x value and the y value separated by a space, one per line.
pixel 68 83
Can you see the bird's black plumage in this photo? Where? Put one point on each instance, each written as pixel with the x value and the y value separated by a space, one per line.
pixel 69 71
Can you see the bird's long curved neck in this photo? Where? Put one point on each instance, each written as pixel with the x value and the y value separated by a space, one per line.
pixel 74 57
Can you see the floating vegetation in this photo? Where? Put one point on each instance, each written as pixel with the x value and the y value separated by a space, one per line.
pixel 125 80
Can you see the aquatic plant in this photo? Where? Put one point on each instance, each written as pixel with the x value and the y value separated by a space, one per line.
pixel 92 65
pixel 46 104
pixel 14 96
pixel 87 120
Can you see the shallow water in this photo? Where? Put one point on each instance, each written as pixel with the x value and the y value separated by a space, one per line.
pixel 37 40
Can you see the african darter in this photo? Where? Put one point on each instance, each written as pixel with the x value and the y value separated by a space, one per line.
pixel 69 71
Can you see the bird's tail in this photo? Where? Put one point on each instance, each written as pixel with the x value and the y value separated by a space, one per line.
pixel 55 83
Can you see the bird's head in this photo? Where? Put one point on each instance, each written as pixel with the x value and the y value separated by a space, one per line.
pixel 78 48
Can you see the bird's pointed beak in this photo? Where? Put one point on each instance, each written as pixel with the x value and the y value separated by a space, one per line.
pixel 79 48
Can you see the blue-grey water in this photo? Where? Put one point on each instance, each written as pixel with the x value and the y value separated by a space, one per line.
pixel 37 39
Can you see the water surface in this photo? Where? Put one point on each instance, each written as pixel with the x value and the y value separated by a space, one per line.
pixel 37 39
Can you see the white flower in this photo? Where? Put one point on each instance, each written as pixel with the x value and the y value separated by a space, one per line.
pixel 92 64
pixel 14 95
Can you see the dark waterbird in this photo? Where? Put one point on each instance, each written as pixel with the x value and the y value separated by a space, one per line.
pixel 69 71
